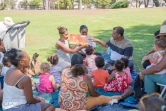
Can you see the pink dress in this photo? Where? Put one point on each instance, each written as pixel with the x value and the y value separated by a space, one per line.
pixel 117 84
pixel 45 85
pixel 127 70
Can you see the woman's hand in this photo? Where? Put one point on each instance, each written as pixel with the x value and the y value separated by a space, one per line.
pixel 84 45
pixel 39 99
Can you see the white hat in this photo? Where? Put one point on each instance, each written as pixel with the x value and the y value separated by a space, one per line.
pixel 8 21
pixel 163 28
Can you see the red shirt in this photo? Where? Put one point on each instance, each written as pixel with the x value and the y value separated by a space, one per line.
pixel 100 77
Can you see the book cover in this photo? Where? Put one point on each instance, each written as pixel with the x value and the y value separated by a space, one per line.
pixel 78 39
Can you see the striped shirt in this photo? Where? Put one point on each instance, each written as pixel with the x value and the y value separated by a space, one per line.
pixel 120 49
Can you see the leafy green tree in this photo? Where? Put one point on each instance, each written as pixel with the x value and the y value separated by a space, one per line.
pixel 24 4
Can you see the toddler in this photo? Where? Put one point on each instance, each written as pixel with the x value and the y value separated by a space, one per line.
pixel 118 80
pixel 55 70
pixel 127 69
pixel 156 57
pixel 47 83
pixel 6 64
pixel 100 76
pixel 90 59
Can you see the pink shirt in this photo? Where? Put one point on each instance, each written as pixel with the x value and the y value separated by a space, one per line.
pixel 90 63
pixel 45 85
pixel 127 70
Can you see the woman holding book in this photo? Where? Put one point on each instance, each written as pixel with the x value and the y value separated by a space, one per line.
pixel 63 49
pixel 84 33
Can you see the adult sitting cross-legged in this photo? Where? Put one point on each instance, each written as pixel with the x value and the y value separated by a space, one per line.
pixel 120 45
pixel 77 91
pixel 149 75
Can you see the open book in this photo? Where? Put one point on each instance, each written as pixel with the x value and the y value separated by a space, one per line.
pixel 78 39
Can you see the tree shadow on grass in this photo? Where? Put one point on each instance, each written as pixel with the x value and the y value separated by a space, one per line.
pixel 141 36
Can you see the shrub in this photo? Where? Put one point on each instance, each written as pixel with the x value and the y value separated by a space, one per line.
pixel 120 4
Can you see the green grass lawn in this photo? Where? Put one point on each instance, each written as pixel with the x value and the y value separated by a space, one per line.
pixel 42 33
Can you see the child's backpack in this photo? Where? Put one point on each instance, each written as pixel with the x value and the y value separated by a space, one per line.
pixel 35 64
pixel 138 88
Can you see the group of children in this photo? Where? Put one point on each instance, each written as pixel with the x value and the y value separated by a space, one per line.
pixel 119 80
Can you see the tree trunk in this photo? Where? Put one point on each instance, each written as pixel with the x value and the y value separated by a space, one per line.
pixel 146 3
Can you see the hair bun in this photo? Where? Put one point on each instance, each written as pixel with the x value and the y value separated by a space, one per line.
pixel 59 27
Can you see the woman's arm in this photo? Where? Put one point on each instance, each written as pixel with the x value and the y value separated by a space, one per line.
pixel 156 68
pixel 74 46
pixel 68 50
pixel 91 89
pixel 55 86
pixel 27 86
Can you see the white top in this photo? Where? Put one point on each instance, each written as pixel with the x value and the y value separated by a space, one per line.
pixel 64 58
pixel 13 96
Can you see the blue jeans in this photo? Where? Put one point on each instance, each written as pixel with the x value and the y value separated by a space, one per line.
pixel 150 81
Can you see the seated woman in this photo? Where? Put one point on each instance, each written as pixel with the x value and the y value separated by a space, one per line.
pixel 149 76
pixel 17 91
pixel 63 49
pixel 84 32
pixel 75 88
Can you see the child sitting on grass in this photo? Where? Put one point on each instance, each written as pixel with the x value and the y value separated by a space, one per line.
pixel 55 70
pixel 47 83
pixel 100 76
pixel 127 69
pixel 118 80
pixel 90 59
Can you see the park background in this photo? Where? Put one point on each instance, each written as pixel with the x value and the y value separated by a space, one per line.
pixel 42 34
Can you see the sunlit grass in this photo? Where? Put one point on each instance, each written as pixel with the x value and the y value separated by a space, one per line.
pixel 42 33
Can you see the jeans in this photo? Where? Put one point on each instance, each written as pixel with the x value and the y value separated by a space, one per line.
pixel 150 81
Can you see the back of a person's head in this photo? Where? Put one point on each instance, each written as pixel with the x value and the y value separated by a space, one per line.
pixel 78 70
pixel 15 56
pixel 161 43
pixel 99 61
pixel 119 65
pixel 76 59
pixel 126 62
pixel 89 50
pixel 53 59
pixel 6 60
pixel 62 30
pixel 83 27
pixel 152 102
pixel 45 67
pixel 119 30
